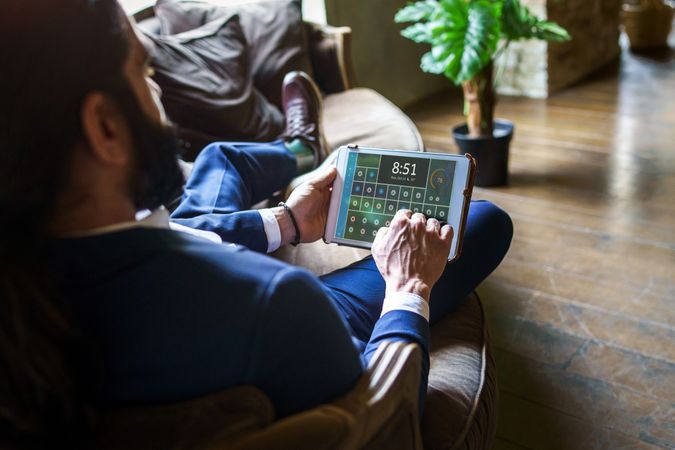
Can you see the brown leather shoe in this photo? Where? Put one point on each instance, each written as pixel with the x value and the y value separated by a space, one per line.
pixel 301 100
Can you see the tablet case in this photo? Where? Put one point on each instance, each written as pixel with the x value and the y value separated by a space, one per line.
pixel 468 190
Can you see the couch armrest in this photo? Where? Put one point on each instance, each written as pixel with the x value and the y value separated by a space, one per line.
pixel 380 412
pixel 330 55
pixel 185 425
pixel 385 403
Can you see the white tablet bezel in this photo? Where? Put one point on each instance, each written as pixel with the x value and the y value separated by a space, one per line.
pixel 458 198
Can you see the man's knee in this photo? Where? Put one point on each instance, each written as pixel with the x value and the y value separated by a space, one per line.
pixel 492 226
pixel 212 152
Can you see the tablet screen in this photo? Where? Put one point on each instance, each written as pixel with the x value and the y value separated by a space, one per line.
pixel 377 186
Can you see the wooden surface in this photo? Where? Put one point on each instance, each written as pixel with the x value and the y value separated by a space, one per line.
pixel 582 310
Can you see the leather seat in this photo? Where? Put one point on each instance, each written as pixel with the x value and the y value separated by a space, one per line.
pixel 380 122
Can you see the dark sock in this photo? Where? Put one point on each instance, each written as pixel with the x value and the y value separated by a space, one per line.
pixel 304 155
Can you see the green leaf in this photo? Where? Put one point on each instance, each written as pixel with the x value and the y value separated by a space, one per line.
pixel 441 51
pixel 550 31
pixel 463 34
pixel 418 32
pixel 516 20
pixel 455 8
pixel 429 64
pixel 416 12
pixel 519 23
pixel 480 39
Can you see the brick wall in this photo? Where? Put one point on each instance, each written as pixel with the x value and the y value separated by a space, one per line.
pixel 536 69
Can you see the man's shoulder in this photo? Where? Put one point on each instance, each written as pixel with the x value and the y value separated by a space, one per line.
pixel 236 272
pixel 241 270
pixel 165 258
pixel 229 262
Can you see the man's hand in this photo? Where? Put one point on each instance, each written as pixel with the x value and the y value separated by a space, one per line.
pixel 412 253
pixel 309 203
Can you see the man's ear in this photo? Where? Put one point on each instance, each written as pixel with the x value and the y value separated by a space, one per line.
pixel 105 130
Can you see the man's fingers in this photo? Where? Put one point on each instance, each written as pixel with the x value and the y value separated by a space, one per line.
pixel 447 232
pixel 401 217
pixel 433 225
pixel 380 235
pixel 325 178
pixel 403 213
pixel 418 217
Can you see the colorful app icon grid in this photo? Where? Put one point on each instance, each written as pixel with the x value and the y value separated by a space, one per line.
pixel 371 204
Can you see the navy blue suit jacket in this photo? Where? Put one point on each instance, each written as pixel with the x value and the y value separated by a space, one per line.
pixel 174 317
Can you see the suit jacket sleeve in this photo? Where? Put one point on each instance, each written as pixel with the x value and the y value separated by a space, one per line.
pixel 243 227
pixel 226 180
pixel 303 353
pixel 405 326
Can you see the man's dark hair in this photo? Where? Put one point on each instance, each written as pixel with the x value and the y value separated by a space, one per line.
pixel 54 53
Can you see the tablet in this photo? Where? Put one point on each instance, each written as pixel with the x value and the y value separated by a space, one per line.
pixel 372 184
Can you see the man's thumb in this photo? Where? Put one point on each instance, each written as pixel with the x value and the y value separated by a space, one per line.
pixel 325 178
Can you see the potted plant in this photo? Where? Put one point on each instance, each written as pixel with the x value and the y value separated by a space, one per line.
pixel 647 23
pixel 466 38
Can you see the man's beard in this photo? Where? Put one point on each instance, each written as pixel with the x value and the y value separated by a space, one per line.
pixel 157 179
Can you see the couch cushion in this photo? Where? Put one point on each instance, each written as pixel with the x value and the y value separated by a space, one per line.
pixel 362 116
pixel 274 31
pixel 206 82
pixel 460 407
pixel 177 16
pixel 319 257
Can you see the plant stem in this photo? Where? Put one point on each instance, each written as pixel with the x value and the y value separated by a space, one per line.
pixel 479 98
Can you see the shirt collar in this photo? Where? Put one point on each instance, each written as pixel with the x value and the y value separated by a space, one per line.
pixel 159 218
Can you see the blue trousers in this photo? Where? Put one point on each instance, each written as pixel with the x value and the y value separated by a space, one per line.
pixel 230 177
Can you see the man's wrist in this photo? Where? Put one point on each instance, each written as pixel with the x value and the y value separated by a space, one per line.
pixel 285 225
pixel 412 286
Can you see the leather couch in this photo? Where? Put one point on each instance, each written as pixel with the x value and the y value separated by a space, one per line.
pixel 381 411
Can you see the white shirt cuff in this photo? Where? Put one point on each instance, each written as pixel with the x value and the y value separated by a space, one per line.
pixel 272 230
pixel 210 235
pixel 406 301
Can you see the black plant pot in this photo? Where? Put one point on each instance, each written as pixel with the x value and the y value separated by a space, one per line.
pixel 491 154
